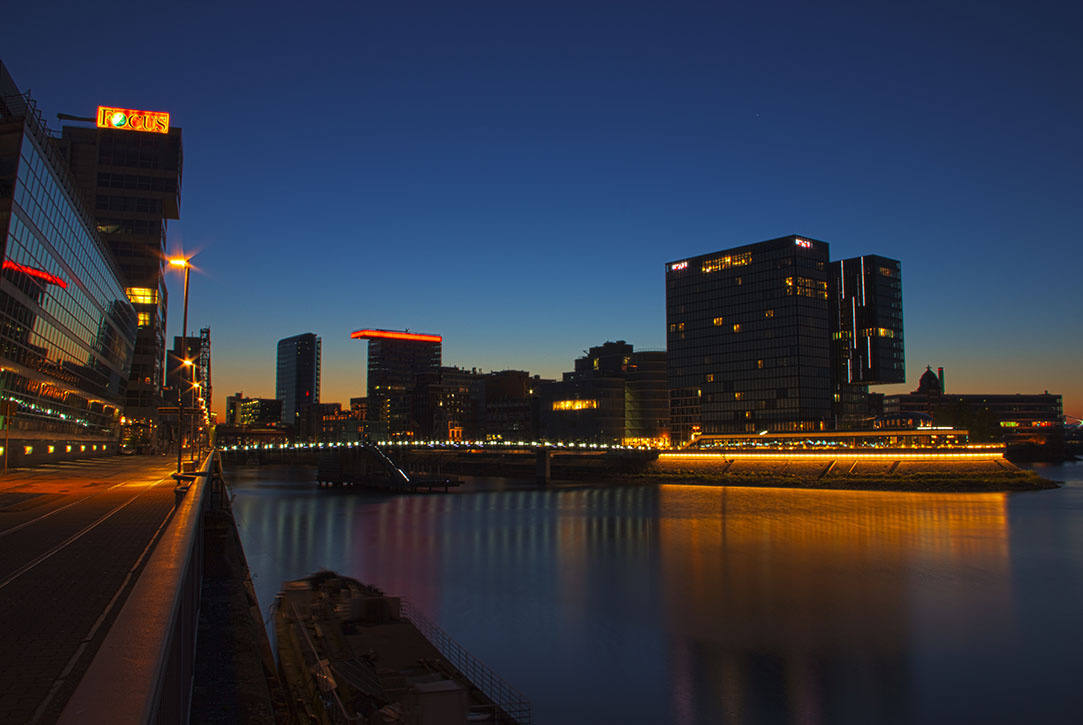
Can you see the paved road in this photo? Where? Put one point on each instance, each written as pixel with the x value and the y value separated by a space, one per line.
pixel 73 536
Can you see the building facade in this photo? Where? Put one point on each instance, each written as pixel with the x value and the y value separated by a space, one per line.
pixel 67 329
pixel 133 180
pixel 748 329
pixel 396 359
pixel 774 337
pixel 297 379
pixel 866 336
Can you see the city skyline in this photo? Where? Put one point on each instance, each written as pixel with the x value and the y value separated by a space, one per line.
pixel 515 178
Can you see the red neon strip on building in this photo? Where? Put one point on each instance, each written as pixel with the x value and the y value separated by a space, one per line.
pixel 39 273
pixel 393 335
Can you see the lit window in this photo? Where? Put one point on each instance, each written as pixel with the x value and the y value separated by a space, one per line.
pixel 144 319
pixel 719 263
pixel 142 295
pixel 737 327
pixel 710 377
pixel 759 364
pixel 718 321
pixel 769 313
pixel 738 396
pixel 574 404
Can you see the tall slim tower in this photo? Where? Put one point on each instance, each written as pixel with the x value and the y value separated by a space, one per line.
pixel 297 382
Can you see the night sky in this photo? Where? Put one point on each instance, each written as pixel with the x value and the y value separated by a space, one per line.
pixel 514 175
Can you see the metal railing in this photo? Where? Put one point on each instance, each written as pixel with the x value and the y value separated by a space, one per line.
pixel 507 699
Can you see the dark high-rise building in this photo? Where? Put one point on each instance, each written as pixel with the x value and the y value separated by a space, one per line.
pixel 129 169
pixel 297 382
pixel 866 306
pixel 188 373
pixel 395 360
pixel 867 333
pixel 773 336
pixel 67 330
pixel 615 395
pixel 748 330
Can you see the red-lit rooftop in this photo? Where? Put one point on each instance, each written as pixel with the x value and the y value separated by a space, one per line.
pixel 393 335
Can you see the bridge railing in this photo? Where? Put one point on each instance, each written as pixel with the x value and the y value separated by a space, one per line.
pixel 143 671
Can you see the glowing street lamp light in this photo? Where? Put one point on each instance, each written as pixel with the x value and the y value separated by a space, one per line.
pixel 182 262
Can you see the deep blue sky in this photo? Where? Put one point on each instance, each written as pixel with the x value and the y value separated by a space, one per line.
pixel 514 175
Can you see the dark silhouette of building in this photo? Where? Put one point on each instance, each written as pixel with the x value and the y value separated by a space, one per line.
pixel 395 360
pixel 772 336
pixel 511 406
pixel 188 373
pixel 297 381
pixel 67 330
pixel 867 333
pixel 614 396
pixel 132 179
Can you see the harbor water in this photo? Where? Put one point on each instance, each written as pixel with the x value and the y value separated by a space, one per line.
pixel 696 604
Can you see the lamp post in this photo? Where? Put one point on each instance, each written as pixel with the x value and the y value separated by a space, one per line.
pixel 182 262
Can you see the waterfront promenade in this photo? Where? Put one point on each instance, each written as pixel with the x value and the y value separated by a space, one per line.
pixel 73 539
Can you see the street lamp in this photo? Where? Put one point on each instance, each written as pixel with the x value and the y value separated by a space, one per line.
pixel 182 262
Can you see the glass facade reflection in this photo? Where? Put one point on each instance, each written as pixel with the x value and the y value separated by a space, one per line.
pixel 67 330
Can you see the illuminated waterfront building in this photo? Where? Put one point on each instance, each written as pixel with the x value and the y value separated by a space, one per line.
pixel 749 329
pixel 772 336
pixel 297 379
pixel 129 167
pixel 67 329
pixel 188 373
pixel 395 361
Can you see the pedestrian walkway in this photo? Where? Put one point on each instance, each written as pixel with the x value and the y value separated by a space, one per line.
pixel 73 538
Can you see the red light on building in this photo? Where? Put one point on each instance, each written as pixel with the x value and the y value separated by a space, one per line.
pixel 39 273
pixel 393 335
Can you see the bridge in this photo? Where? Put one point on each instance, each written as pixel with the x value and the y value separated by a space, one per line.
pixel 401 465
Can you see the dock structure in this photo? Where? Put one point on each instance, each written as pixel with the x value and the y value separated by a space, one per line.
pixel 349 653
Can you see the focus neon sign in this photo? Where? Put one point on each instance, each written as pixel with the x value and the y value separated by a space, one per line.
pixel 126 119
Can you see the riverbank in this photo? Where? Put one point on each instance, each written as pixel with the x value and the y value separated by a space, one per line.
pixel 947 475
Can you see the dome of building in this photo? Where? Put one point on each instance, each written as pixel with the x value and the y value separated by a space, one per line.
pixel 929 384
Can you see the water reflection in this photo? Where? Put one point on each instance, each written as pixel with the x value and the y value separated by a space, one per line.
pixel 689 604
pixel 799 606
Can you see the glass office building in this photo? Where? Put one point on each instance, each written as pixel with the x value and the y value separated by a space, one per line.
pixel 67 329
pixel 866 303
pixel 297 379
pixel 396 359
pixel 748 330
pixel 775 337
